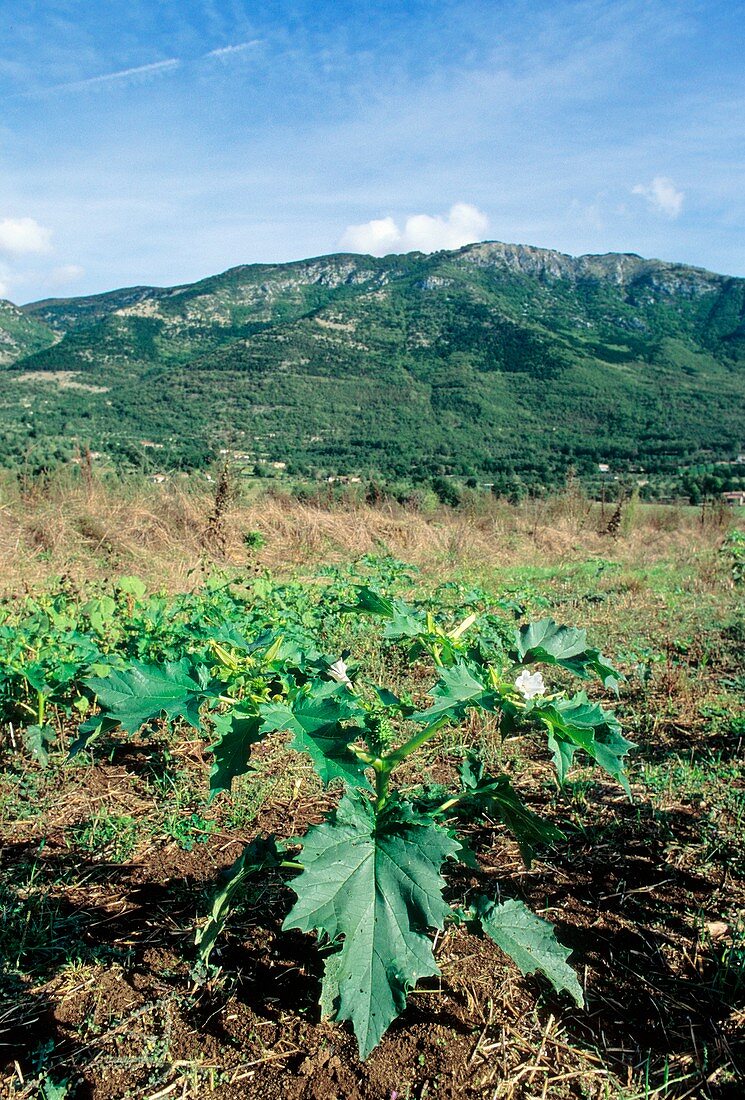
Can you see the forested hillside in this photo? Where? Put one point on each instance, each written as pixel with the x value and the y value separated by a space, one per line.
pixel 492 361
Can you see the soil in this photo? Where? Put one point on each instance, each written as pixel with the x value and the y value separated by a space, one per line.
pixel 130 1020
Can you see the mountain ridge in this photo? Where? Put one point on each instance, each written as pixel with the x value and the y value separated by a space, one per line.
pixel 429 361
pixel 558 263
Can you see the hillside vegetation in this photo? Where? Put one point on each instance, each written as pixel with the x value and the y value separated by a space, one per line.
pixel 495 361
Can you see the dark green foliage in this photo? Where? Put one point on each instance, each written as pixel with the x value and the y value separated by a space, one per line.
pixel 144 692
pixel 494 796
pixel 530 942
pixel 371 887
pixel 241 662
pixel 495 363
pixel 547 643
pixel 259 855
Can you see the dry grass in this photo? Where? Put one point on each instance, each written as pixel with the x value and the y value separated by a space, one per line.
pixel 92 529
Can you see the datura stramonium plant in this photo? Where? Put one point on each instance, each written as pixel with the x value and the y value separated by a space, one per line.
pixel 369 881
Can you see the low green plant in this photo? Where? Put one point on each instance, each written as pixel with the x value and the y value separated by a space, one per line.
pixel 116 836
pixel 369 880
pixel 254 540
pixel 733 553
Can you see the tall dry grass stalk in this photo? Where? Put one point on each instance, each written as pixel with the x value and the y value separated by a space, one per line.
pixel 87 528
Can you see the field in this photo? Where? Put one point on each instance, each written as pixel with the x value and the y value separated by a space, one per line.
pixel 110 856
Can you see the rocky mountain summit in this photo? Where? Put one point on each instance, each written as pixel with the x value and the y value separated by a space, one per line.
pixel 492 356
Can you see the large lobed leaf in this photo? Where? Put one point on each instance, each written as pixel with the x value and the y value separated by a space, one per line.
pixel 372 887
pixel 577 723
pixel 133 697
pixel 495 795
pixel 546 642
pixel 315 716
pixel 456 689
pixel 403 621
pixel 238 730
pixel 530 942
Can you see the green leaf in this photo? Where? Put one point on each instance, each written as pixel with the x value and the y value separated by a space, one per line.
pixel 577 723
pixel 404 622
pixel 90 731
pixel 495 795
pixel 550 644
pixel 530 942
pixel 256 856
pixel 38 739
pixel 238 731
pixel 54 1090
pixel 333 968
pixel 131 586
pixel 175 689
pixel 547 641
pixel 387 697
pixel 456 688
pixel 372 602
pixel 100 613
pixel 375 884
pixel 314 716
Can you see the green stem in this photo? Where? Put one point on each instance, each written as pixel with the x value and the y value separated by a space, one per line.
pixel 291 865
pixel 41 707
pixel 383 770
pixel 414 742
pixel 450 802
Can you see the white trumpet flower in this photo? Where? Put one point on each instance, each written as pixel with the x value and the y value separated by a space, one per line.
pixel 338 672
pixel 530 684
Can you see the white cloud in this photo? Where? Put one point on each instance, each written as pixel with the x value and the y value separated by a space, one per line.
pixel 137 73
pixel 464 224
pixel 239 47
pixel 67 273
pixel 20 236
pixel 662 195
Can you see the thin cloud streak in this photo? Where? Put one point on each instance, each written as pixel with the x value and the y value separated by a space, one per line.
pixel 155 68
pixel 121 75
pixel 226 51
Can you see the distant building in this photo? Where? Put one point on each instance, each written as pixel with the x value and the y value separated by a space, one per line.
pixel 735 499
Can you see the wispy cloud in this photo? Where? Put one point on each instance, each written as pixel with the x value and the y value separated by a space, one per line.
pixel 239 47
pixel 421 232
pixel 662 195
pixel 139 72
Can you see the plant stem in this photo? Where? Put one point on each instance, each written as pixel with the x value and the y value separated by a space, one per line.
pixel 382 769
pixel 450 802
pixel 414 742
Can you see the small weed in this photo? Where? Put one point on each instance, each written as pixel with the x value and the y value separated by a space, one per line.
pixel 254 540
pixel 188 831
pixel 116 837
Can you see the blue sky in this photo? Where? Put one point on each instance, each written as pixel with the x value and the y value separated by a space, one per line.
pixel 160 142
